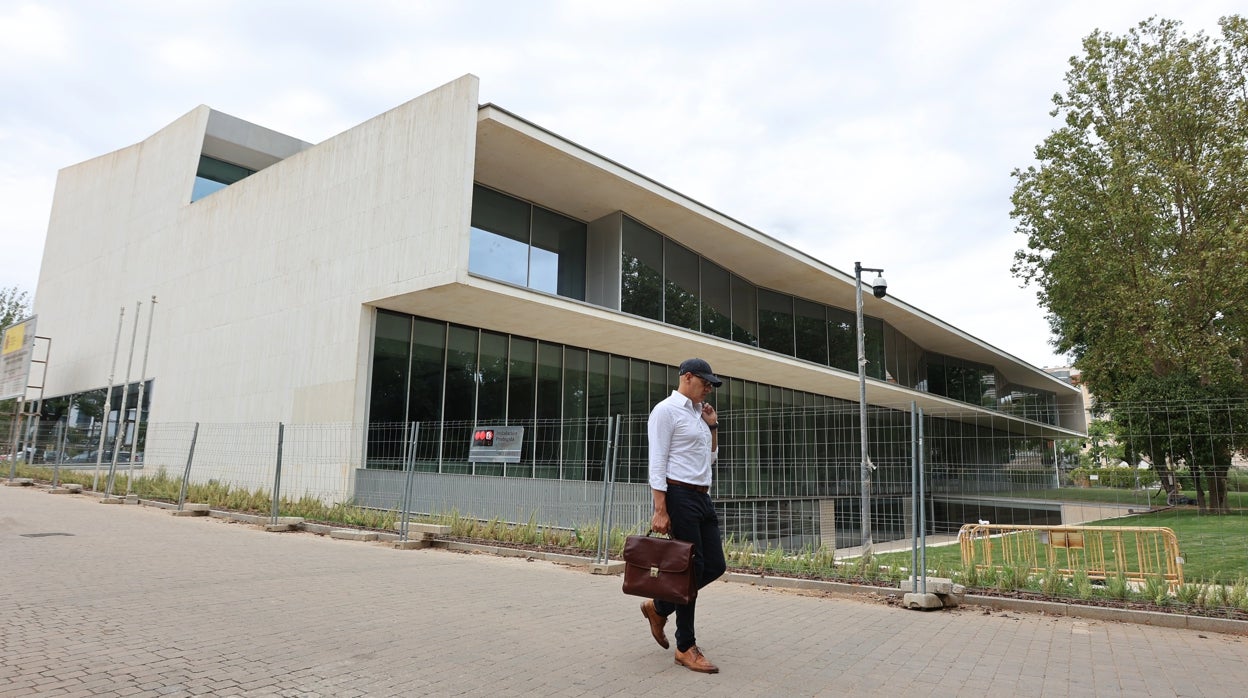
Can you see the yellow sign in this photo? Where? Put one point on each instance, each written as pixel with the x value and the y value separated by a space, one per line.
pixel 14 339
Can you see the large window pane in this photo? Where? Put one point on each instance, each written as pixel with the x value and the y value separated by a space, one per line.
pixel 842 342
pixel 387 409
pixel 549 410
pixel 492 367
pixel 810 331
pixel 716 299
pixel 775 321
pixel 461 392
pixel 873 346
pixel 521 400
pixel 557 257
pixel 744 312
pixel 574 413
pixel 428 360
pixel 680 287
pixel 641 278
pixel 498 257
pixel 499 243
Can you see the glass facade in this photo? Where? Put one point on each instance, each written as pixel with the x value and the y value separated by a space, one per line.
pixel 524 244
pixel 788 451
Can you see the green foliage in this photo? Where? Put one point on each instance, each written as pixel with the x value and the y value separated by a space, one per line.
pixel 1054 583
pixel 1118 478
pixel 1134 215
pixel 1157 590
pixel 1117 587
pixel 1189 594
pixel 1012 578
pixel 14 305
pixel 1081 585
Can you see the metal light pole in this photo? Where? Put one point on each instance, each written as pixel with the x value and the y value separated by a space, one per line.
pixel 879 287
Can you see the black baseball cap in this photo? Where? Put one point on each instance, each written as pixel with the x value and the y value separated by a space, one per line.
pixel 701 369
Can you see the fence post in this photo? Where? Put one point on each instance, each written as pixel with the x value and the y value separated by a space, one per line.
pixel 277 476
pixel 608 486
pixel 914 493
pixel 409 466
pixel 60 453
pixel 186 474
pixel 922 507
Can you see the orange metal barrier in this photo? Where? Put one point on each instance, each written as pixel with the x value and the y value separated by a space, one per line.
pixel 1133 552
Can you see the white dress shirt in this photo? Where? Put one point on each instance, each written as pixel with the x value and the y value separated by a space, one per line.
pixel 680 443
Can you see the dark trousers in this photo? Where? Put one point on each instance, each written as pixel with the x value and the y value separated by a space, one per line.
pixel 694 520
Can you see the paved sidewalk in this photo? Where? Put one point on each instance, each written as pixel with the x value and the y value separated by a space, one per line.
pixel 136 602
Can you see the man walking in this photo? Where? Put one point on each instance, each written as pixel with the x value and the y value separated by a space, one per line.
pixel 684 442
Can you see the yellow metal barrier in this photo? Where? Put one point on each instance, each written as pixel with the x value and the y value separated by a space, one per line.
pixel 1133 552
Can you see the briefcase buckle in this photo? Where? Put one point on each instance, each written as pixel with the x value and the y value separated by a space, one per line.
pixel 654 571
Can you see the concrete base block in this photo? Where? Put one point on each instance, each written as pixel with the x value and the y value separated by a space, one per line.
pixel 431 529
pixel 132 499
pixel 19 482
pixel 949 594
pixel 352 534
pixel 279 527
pixel 112 500
pixel 608 568
pixel 59 490
pixel 922 602
pixel 72 487
pixel 411 544
pixel 189 509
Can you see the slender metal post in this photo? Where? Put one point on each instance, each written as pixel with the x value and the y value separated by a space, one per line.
pixel 60 452
pixel 922 508
pixel 865 473
pixel 409 466
pixel 138 407
pixel 608 480
pixel 186 474
pixel 277 476
pixel 915 504
pixel 108 401
pixel 120 437
pixel 17 436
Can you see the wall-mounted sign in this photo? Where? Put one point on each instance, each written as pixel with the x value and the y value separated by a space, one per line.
pixel 496 445
pixel 17 348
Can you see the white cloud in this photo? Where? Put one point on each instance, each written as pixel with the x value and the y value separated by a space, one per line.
pixel 880 132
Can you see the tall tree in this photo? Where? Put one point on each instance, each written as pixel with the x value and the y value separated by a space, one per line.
pixel 1136 215
pixel 14 305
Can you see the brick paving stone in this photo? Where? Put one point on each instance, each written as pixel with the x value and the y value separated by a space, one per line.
pixel 137 602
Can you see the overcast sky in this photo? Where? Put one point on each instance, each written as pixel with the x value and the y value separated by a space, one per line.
pixel 881 132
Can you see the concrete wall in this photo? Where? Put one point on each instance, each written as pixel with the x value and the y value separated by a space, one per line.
pixel 264 286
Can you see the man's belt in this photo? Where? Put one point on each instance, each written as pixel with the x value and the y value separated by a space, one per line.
pixel 686 486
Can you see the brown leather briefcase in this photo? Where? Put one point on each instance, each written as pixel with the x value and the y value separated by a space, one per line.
pixel 659 568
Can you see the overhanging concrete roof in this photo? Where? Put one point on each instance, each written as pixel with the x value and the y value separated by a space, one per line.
pixel 525 160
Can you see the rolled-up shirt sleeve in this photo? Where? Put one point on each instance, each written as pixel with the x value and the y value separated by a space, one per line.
pixel 659 432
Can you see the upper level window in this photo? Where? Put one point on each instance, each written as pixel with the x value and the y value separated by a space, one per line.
pixel 519 243
pixel 214 175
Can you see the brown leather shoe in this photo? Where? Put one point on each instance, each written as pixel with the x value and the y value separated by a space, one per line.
pixel 656 622
pixel 694 659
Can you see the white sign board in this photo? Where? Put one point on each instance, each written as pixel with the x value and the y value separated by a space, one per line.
pixel 17 348
pixel 496 445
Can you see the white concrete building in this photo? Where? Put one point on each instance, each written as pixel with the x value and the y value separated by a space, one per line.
pixel 448 260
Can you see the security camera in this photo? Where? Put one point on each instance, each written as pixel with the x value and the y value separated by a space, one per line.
pixel 879 287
